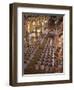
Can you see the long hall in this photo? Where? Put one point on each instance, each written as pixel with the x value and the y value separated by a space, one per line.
pixel 43 44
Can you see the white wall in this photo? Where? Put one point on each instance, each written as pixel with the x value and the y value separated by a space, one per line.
pixel 4 46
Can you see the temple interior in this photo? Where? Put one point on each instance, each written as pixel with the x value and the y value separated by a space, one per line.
pixel 43 43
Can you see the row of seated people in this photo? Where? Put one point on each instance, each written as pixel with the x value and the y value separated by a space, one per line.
pixel 44 63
